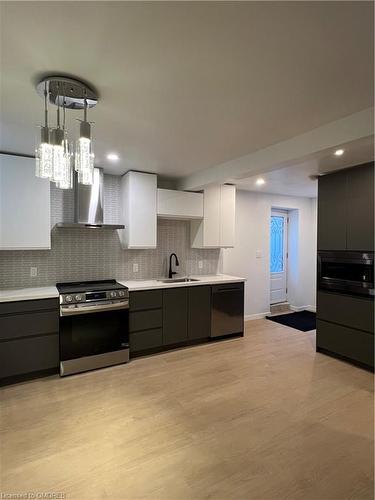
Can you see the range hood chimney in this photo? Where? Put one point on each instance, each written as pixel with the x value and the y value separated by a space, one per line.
pixel 88 205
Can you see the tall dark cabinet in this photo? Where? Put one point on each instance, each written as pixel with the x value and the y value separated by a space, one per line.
pixel 360 212
pixel 346 209
pixel 345 317
pixel 332 211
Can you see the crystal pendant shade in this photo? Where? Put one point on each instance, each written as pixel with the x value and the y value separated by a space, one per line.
pixel 84 161
pixel 43 158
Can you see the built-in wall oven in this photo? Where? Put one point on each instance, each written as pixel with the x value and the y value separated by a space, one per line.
pixel 346 272
pixel 94 325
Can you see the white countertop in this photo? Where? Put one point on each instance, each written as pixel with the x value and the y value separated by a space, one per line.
pixel 43 292
pixel 202 280
pixel 50 292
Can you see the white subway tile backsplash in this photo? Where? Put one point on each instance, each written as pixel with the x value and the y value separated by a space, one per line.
pixel 84 254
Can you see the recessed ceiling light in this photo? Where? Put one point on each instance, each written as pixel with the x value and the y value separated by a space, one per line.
pixel 112 157
pixel 260 181
pixel 339 152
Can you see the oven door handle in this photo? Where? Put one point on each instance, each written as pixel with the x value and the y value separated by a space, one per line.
pixel 72 311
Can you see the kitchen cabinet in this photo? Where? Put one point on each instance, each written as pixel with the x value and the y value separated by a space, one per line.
pixel 174 204
pixel 332 210
pixel 145 320
pixel 175 315
pixel 25 218
pixel 353 345
pixel 138 210
pixel 360 213
pixel 199 315
pixel 346 209
pixel 217 229
pixel 29 338
pixel 354 312
pixel 345 327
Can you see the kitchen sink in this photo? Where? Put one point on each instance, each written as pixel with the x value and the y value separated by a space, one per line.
pixel 178 280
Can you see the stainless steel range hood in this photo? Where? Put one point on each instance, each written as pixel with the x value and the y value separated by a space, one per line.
pixel 88 206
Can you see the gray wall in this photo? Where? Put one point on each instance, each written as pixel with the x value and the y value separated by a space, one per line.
pixel 83 254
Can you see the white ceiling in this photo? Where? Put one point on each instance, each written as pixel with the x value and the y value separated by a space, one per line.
pixel 300 179
pixel 188 85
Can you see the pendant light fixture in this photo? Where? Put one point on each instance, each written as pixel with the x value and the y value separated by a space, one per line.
pixel 54 157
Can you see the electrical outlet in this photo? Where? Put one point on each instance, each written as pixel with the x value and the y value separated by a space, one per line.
pixel 33 272
pixel 135 268
pixel 200 264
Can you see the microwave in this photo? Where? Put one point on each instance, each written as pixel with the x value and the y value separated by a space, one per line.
pixel 346 272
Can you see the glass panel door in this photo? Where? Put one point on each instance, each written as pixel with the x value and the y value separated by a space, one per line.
pixel 278 252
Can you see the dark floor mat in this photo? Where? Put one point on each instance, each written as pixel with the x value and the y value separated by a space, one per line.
pixel 303 320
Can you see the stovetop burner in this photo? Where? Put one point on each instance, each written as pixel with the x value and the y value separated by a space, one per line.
pixel 89 286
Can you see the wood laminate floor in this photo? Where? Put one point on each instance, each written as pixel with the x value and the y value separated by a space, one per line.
pixel 260 417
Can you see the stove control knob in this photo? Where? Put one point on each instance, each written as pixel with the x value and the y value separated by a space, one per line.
pixel 113 295
pixel 68 298
pixel 78 297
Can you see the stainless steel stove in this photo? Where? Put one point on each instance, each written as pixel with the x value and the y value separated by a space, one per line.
pixel 94 325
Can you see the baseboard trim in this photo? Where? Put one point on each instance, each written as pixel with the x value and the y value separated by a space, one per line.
pixel 303 308
pixel 250 317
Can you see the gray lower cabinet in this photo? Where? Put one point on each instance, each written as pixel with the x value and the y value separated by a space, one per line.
pixel 146 339
pixel 353 344
pixel 163 318
pixel 199 317
pixel 347 310
pixel 175 315
pixel 29 337
pixel 145 320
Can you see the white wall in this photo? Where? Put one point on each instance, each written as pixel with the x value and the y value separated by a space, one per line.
pixel 253 212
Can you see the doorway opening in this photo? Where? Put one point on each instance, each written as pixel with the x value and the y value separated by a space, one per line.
pixel 278 256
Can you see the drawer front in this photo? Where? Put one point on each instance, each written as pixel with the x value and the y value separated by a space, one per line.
pixel 145 320
pixel 345 310
pixel 227 286
pixel 22 306
pixel 148 299
pixel 25 325
pixel 354 344
pixel 140 341
pixel 18 357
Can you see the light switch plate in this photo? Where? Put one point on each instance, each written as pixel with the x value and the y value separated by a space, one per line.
pixel 135 268
pixel 200 264
pixel 33 272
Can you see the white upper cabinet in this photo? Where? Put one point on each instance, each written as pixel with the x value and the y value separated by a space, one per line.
pixel 216 230
pixel 179 204
pixel 138 210
pixel 25 213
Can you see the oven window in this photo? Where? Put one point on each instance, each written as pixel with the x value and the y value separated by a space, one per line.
pixel 95 333
pixel 347 272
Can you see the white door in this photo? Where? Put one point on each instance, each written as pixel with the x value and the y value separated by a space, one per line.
pixel 278 255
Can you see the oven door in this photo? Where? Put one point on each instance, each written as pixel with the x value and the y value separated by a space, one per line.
pixel 94 332
pixel 346 273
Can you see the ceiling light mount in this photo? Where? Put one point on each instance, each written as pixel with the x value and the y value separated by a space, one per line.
pixel 68 92
pixel 339 152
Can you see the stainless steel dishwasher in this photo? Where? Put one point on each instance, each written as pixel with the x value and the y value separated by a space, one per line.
pixel 227 312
